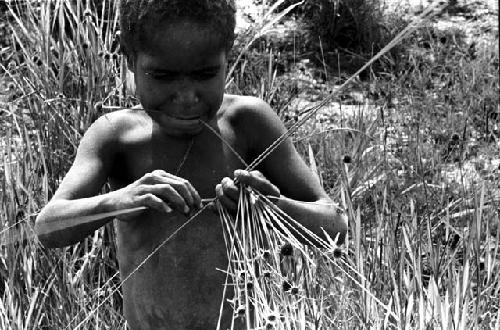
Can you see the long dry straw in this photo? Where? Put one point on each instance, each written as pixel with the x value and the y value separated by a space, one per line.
pixel 294 224
pixel 240 248
pixel 429 12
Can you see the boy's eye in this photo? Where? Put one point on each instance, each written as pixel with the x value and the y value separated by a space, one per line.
pixel 163 76
pixel 171 76
pixel 205 74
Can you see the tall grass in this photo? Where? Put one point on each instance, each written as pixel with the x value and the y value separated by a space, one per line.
pixel 62 64
pixel 423 241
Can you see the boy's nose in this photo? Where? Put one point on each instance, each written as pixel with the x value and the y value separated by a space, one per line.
pixel 185 96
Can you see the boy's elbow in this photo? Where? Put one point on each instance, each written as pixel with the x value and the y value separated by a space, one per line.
pixel 46 242
pixel 51 242
pixel 47 239
pixel 43 238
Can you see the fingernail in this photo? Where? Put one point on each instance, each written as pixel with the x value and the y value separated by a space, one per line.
pixel 186 209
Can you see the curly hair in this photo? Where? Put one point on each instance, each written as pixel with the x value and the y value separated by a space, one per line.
pixel 137 16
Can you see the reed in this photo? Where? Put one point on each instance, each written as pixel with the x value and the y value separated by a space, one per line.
pixel 277 282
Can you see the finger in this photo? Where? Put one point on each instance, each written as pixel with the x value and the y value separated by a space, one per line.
pixel 241 175
pixel 160 176
pixel 166 175
pixel 229 189
pixel 170 195
pixel 157 176
pixel 224 200
pixel 183 187
pixel 194 194
pixel 160 173
pixel 152 201
pixel 257 180
pixel 148 178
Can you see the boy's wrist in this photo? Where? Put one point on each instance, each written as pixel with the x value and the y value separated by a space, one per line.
pixel 110 202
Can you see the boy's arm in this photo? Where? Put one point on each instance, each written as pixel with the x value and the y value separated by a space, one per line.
pixel 59 223
pixel 70 215
pixel 284 174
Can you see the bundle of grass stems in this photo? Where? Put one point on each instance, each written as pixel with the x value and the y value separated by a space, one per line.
pixel 279 272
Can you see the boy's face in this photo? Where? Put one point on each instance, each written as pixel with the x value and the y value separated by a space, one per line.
pixel 180 76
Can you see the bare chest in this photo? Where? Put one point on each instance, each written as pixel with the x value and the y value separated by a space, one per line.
pixel 182 276
pixel 204 160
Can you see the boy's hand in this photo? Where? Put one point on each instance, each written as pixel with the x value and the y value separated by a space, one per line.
pixel 160 191
pixel 228 192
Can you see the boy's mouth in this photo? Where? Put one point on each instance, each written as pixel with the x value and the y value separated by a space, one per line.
pixel 184 123
pixel 186 118
pixel 178 118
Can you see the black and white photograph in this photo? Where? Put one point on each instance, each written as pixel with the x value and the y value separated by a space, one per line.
pixel 249 164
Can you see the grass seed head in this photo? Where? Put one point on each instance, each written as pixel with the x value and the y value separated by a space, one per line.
pixel 37 60
pixel 98 106
pixel 286 249
pixel 286 286
pixel 12 65
pixel 241 311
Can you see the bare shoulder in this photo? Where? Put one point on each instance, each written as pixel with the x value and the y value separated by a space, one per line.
pixel 114 126
pixel 239 107
pixel 121 121
pixel 96 155
pixel 253 118
pixel 248 115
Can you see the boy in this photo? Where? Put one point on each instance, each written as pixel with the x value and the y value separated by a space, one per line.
pixel 162 156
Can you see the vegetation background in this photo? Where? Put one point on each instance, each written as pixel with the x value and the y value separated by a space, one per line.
pixel 411 149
